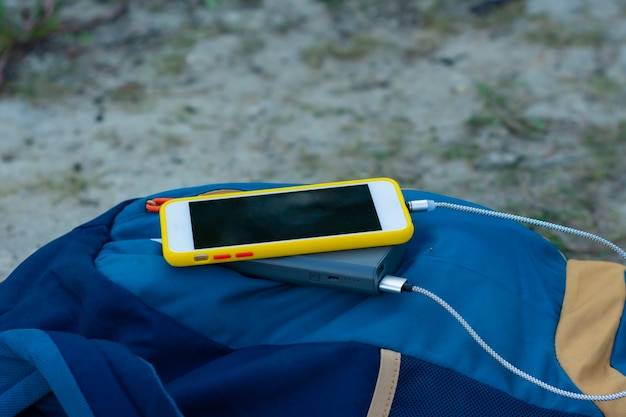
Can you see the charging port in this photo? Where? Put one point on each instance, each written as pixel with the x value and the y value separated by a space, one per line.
pixel 333 277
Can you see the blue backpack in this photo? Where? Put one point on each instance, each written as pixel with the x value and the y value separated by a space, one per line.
pixel 96 323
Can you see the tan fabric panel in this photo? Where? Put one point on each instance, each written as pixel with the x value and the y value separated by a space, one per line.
pixel 592 308
pixel 385 384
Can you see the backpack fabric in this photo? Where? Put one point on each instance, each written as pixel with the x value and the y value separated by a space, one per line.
pixel 96 323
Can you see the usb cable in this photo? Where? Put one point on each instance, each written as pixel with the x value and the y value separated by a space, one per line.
pixel 391 284
pixel 398 284
pixel 416 206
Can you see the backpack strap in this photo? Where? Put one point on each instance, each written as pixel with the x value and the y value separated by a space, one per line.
pixel 386 384
pixel 32 367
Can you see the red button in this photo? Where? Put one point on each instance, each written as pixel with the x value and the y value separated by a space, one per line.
pixel 244 254
pixel 221 256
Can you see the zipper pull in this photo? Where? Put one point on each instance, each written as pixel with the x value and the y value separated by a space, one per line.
pixel 154 205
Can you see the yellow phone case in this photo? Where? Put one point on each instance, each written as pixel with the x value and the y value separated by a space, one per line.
pixel 289 247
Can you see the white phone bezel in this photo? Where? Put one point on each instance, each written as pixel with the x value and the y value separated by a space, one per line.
pixel 178 223
pixel 388 207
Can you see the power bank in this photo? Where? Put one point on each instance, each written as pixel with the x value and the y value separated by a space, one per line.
pixel 359 270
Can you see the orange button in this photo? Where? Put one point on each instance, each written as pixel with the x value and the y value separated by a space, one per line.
pixel 221 256
pixel 244 254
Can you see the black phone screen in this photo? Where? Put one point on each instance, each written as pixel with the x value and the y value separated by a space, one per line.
pixel 283 216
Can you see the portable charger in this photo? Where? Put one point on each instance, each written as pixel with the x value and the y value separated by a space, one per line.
pixel 359 270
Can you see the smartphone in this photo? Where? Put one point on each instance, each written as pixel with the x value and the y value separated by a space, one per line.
pixel 359 270
pixel 284 221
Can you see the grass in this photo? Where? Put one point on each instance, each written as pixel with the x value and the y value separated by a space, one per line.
pixel 352 49
pixel 503 105
pixel 68 183
pixel 41 86
pixel 27 25
pixel 468 151
pixel 130 95
pixel 62 184
pixel 216 4
pixel 30 24
pixel 574 199
pixel 560 35
pixel 606 146
pixel 390 139
pixel 20 28
pixel 319 111
pixel 172 63
pixel 601 88
pixel 449 17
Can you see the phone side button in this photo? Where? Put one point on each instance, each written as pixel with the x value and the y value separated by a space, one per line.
pixel 201 257
pixel 244 254
pixel 221 256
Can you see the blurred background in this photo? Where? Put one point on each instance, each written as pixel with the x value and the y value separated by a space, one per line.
pixel 515 105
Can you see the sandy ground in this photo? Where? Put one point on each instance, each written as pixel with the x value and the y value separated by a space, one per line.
pixel 519 107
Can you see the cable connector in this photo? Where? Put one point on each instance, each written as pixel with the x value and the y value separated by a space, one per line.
pixel 394 284
pixel 415 206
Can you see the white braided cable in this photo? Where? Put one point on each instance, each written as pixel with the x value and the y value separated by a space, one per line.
pixel 534 222
pixel 507 364
pixel 428 205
